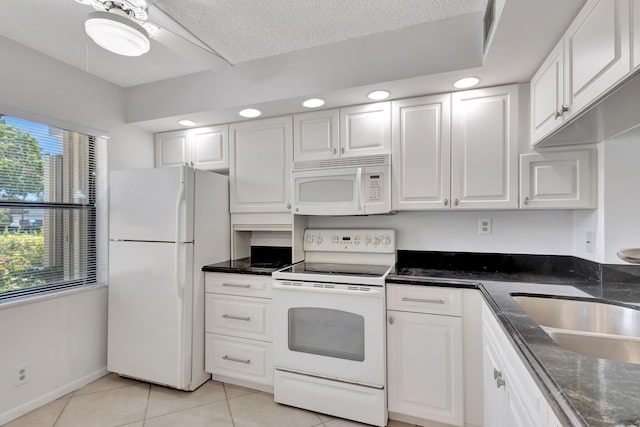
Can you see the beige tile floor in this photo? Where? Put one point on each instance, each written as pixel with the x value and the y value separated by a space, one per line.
pixel 114 401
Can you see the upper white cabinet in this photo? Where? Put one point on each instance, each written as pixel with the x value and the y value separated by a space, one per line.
pixel 260 165
pixel 365 129
pixel 597 51
pixel 421 136
pixel 547 94
pixel 484 148
pixel 593 56
pixel 357 131
pixel 316 135
pixel 203 148
pixel 558 179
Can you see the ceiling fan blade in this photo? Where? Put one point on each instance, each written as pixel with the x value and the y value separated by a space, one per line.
pixel 194 52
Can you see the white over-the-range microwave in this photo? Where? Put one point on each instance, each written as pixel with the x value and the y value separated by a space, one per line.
pixel 347 186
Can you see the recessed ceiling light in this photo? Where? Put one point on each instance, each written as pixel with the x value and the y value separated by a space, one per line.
pixel 466 82
pixel 313 103
pixel 378 95
pixel 250 113
pixel 186 123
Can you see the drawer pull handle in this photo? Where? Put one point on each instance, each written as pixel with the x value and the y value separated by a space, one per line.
pixel 234 285
pixel 428 301
pixel 228 316
pixel 233 359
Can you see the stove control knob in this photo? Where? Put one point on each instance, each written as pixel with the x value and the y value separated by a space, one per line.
pixel 310 238
pixel 376 241
pixel 367 239
pixel 319 239
pixel 386 240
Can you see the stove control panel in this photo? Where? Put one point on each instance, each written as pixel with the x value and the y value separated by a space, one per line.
pixel 350 240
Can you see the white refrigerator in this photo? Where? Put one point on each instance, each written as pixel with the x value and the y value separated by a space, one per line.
pixel 164 225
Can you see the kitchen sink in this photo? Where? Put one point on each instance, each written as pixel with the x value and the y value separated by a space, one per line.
pixel 591 328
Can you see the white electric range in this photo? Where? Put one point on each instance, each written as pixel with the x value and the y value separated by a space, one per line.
pixel 329 324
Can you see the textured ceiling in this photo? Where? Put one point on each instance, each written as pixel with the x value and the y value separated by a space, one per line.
pixel 240 30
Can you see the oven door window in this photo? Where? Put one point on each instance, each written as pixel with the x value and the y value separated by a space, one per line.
pixel 326 332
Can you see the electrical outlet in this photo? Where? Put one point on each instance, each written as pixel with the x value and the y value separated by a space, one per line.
pixel 589 244
pixel 484 226
pixel 21 375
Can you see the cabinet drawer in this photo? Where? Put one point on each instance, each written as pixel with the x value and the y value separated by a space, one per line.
pixel 238 316
pixel 423 299
pixel 239 358
pixel 238 284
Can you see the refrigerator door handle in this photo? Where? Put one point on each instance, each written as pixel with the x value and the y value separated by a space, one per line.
pixel 179 200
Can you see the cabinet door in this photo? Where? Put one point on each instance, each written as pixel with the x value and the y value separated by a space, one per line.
pixel 260 165
pixel 558 180
pixel 597 51
pixel 171 149
pixel 421 132
pixel 365 130
pixel 316 135
pixel 547 92
pixel 484 148
pixel 425 366
pixel 495 397
pixel 209 148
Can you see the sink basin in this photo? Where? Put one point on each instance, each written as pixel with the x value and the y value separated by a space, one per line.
pixel 591 328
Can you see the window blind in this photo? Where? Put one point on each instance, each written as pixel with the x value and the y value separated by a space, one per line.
pixel 53 216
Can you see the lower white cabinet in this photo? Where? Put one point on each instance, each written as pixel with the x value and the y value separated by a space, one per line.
pixel 424 354
pixel 558 180
pixel 511 397
pixel 238 329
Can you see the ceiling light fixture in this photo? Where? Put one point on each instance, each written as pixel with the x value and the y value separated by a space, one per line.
pixel 186 123
pixel 466 82
pixel 378 95
pixel 117 33
pixel 313 103
pixel 250 113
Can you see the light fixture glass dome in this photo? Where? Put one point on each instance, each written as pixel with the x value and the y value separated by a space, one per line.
pixel 117 34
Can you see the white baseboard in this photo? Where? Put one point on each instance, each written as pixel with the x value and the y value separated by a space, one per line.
pixel 39 401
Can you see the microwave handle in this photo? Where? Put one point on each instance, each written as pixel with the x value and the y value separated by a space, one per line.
pixel 359 189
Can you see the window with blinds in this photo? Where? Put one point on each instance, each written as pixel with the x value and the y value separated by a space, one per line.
pixel 52 214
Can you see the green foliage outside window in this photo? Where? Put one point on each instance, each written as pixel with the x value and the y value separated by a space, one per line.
pixel 21 256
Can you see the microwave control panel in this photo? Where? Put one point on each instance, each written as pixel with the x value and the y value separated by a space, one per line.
pixel 375 187
pixel 350 240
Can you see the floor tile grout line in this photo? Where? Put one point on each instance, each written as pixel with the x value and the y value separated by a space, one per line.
pixel 183 409
pixel 233 423
pixel 60 414
pixel 146 407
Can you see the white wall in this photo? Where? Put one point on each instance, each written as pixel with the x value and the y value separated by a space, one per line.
pixel 524 232
pixel 63 339
pixel 621 216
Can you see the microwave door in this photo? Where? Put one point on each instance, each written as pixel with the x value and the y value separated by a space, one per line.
pixel 328 192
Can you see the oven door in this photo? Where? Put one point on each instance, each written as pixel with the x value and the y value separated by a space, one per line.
pixel 333 331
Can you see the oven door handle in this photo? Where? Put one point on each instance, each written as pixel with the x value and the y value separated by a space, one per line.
pixel 371 292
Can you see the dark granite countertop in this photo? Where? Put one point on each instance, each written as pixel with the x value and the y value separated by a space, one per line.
pixel 243 266
pixel 582 390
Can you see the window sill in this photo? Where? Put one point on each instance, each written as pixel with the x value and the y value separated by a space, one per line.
pixel 30 299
